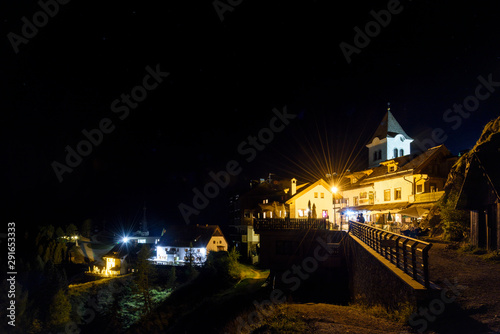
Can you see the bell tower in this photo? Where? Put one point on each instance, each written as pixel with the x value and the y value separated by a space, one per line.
pixel 390 141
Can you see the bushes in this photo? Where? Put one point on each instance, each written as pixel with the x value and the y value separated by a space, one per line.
pixel 455 223
pixel 223 267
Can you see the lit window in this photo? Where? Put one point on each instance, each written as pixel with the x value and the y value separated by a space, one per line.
pixel 325 213
pixel 387 195
pixel 301 212
pixel 419 188
pixel 141 241
pixel 363 195
pixel 397 193
pixel 322 195
pixel 315 195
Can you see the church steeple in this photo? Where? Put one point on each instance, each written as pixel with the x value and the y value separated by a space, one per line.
pixel 144 223
pixel 389 141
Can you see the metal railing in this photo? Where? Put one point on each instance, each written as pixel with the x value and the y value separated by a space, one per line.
pixel 270 224
pixel 408 254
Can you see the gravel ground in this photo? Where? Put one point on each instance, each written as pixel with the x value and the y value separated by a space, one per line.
pixel 477 281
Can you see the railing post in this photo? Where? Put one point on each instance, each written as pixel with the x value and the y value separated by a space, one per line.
pixel 414 260
pixel 397 251
pixel 405 256
pixel 425 261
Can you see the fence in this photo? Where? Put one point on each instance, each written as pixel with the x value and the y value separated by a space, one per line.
pixel 408 254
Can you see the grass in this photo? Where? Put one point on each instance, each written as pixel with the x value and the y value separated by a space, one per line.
pixel 493 256
pixel 400 315
pixel 283 321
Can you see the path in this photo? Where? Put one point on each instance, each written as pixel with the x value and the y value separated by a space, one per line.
pixel 479 285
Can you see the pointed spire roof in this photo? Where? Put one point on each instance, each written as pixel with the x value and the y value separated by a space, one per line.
pixel 144 222
pixel 389 127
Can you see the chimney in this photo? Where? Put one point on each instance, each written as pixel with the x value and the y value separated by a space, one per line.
pixel 293 186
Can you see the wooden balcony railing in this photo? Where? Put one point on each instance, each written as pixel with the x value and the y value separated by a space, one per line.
pixel 408 254
pixel 270 224
pixel 426 197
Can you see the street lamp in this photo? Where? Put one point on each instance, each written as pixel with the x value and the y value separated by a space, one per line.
pixel 334 191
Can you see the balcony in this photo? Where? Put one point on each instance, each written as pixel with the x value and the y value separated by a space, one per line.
pixel 289 224
pixel 426 197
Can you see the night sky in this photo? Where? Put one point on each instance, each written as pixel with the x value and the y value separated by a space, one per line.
pixel 224 79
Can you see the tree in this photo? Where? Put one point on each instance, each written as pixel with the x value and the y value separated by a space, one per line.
pixel 60 309
pixel 234 266
pixel 86 228
pixel 455 223
pixel 71 230
pixel 59 232
pixel 145 273
pixel 172 278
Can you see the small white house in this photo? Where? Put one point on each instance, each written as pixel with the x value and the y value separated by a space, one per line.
pixel 185 243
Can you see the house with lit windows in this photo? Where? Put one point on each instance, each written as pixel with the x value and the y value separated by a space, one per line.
pixel 398 186
pixel 313 201
pixel 182 244
pixel 119 260
pixel 273 198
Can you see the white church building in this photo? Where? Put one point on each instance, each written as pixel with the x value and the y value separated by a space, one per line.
pixel 398 185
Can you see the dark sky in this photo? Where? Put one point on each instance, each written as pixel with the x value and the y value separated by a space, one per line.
pixel 225 78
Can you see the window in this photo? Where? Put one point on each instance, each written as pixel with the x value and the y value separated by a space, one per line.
pixel 387 195
pixel 301 212
pixel 355 200
pixel 397 193
pixel 375 156
pixel 325 213
pixel 392 169
pixel 371 197
pixel 315 195
pixel 433 187
pixel 395 153
pixel 363 195
pixel 322 195
pixel 419 188
pixel 379 154
pixel 401 152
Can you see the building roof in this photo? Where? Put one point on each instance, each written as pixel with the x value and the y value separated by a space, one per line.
pixel 389 127
pixel 121 250
pixel 482 178
pixel 405 164
pixel 196 236
pixel 304 190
